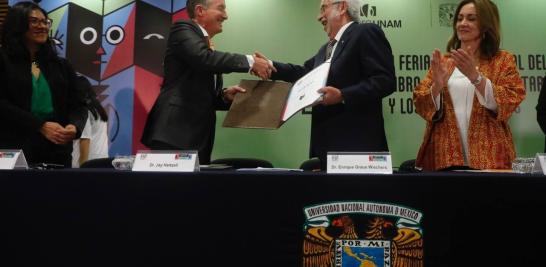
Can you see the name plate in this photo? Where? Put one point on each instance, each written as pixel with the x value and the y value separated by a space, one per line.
pixel 12 159
pixel 166 161
pixel 355 162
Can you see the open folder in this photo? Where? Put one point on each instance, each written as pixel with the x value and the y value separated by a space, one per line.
pixel 268 104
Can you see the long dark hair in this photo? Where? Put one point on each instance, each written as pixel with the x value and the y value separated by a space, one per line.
pixel 15 27
pixel 489 20
pixel 91 102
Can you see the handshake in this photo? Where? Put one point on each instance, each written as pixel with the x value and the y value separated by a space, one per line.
pixel 262 67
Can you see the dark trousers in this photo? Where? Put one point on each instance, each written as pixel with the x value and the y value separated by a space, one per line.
pixel 40 150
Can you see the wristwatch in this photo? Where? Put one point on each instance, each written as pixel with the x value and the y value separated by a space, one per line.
pixel 478 80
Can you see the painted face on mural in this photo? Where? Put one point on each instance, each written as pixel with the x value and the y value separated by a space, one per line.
pixel 99 46
pixel 151 37
pixel 468 27
pixel 38 28
pixel 83 45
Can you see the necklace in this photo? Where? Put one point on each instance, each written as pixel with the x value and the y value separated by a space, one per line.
pixel 35 69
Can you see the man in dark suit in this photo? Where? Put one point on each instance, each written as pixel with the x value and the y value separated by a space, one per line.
pixel 350 116
pixel 183 116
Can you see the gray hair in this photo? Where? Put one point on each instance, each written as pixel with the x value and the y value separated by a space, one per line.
pixel 353 9
pixel 191 4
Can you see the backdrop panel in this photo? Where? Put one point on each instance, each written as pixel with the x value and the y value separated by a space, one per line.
pixel 119 45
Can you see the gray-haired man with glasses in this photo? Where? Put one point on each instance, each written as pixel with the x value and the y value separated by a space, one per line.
pixel 350 116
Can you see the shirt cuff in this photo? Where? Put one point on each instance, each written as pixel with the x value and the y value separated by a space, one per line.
pixel 488 101
pixel 436 100
pixel 250 60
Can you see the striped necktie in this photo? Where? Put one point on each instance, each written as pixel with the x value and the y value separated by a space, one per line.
pixel 330 48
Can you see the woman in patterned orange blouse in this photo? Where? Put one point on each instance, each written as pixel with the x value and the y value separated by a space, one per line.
pixel 469 94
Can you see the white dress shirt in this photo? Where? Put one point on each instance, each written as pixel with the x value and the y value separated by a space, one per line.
pixel 338 36
pixel 462 93
pixel 96 131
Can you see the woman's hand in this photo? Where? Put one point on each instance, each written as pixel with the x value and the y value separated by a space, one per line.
pixel 465 62
pixel 439 73
pixel 58 134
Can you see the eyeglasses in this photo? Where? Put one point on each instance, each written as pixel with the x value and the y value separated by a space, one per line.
pixel 35 22
pixel 325 6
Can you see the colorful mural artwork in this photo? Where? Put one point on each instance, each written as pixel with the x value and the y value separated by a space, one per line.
pixel 117 47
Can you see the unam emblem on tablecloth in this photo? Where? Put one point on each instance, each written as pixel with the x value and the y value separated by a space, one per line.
pixel 362 234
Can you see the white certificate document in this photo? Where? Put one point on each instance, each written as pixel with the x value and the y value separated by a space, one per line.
pixel 304 91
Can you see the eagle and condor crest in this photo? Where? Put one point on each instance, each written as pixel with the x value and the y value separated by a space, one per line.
pixel 362 234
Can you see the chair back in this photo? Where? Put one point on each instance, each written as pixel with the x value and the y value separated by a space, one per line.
pixel 408 166
pixel 103 163
pixel 312 164
pixel 238 163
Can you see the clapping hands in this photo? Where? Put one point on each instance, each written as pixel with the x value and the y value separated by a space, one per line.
pixel 465 62
pixel 262 66
pixel 439 73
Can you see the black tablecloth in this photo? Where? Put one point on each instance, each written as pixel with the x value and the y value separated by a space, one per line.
pixel 103 217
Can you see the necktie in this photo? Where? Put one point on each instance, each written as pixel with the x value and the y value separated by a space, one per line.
pixel 210 43
pixel 217 77
pixel 330 48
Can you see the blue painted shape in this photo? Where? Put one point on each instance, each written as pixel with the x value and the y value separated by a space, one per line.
pixel 179 5
pixel 119 18
pixel 119 104
pixel 166 5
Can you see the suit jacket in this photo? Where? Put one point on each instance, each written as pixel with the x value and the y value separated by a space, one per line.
pixel 183 115
pixel 541 109
pixel 490 144
pixel 20 127
pixel 362 68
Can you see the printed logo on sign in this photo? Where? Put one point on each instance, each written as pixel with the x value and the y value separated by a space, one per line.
pixel 7 155
pixel 376 253
pixel 182 156
pixel 446 14
pixel 362 234
pixel 369 14
pixel 367 9
pixel 377 158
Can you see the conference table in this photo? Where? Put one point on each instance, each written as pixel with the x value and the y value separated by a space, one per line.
pixel 100 217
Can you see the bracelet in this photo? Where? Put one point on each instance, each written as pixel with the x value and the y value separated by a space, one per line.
pixel 478 80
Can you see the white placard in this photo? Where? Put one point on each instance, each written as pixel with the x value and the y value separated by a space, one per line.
pixel 166 161
pixel 359 162
pixel 12 159
pixel 540 163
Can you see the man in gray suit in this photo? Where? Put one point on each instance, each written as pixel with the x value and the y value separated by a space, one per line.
pixel 183 116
